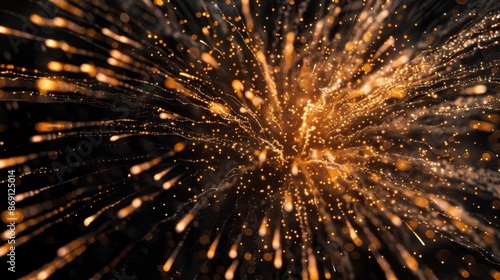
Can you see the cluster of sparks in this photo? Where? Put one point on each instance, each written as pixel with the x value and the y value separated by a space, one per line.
pixel 297 137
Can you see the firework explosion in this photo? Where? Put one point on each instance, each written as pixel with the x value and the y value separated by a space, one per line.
pixel 263 140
